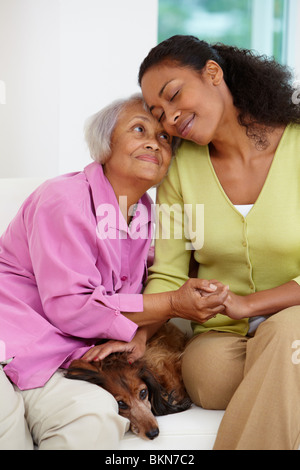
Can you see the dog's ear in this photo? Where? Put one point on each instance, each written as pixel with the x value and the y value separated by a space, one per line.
pixel 156 392
pixel 81 364
pixel 161 401
pixel 88 371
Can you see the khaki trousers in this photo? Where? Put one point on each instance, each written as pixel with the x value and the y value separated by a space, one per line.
pixel 63 415
pixel 256 380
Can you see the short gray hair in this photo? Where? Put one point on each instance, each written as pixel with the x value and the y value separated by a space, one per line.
pixel 99 128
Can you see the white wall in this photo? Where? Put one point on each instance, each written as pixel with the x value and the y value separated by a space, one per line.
pixel 102 44
pixel 61 61
pixel 29 43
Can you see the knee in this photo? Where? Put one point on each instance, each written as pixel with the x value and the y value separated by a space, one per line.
pixel 95 405
pixel 74 415
pixel 14 434
pixel 209 377
pixel 203 385
pixel 91 422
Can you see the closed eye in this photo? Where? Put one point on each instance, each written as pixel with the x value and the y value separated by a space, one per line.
pixel 171 99
pixel 161 117
pixel 174 96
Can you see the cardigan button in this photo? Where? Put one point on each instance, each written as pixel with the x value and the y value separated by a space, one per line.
pixel 124 278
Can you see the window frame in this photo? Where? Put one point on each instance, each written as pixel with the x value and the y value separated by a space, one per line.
pixel 262 30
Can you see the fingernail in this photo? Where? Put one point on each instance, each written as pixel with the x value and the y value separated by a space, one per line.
pixel 213 287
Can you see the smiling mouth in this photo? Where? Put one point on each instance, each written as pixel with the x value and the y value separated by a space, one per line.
pixel 186 126
pixel 148 158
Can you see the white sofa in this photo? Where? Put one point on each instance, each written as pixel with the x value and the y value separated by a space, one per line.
pixel 194 429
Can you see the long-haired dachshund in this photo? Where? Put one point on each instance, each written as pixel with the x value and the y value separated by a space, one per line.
pixel 151 386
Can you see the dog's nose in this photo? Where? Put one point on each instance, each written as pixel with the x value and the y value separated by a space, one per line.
pixel 153 433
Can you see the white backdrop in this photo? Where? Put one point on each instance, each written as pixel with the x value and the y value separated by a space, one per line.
pixel 61 61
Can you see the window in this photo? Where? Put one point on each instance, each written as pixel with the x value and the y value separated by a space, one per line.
pixel 261 25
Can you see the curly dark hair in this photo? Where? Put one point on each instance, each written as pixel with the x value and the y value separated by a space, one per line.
pixel 261 88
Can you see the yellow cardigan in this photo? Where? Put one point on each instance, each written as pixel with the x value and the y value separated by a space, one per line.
pixel 249 254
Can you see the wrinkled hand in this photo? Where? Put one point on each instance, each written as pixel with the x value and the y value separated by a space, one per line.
pixel 135 349
pixel 199 300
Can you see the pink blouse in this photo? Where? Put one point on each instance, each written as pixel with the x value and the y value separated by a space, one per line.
pixel 69 265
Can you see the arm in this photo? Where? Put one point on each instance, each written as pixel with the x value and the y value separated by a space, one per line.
pixel 189 302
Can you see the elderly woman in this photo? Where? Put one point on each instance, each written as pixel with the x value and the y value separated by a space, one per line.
pixel 72 265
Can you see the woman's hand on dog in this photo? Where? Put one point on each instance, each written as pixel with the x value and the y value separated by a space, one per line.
pixel 199 300
pixel 135 348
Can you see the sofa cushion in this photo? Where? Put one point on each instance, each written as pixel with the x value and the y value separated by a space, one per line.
pixel 194 429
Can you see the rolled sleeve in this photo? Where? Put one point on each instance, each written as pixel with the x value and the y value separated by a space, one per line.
pixel 121 324
pixel 128 303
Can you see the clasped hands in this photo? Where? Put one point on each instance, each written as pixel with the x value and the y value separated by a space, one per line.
pixel 199 300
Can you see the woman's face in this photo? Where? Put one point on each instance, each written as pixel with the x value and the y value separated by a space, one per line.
pixel 141 149
pixel 188 104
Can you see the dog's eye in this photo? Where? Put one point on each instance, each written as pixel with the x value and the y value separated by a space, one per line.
pixel 143 394
pixel 122 405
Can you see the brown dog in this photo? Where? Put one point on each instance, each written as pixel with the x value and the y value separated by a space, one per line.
pixel 151 386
